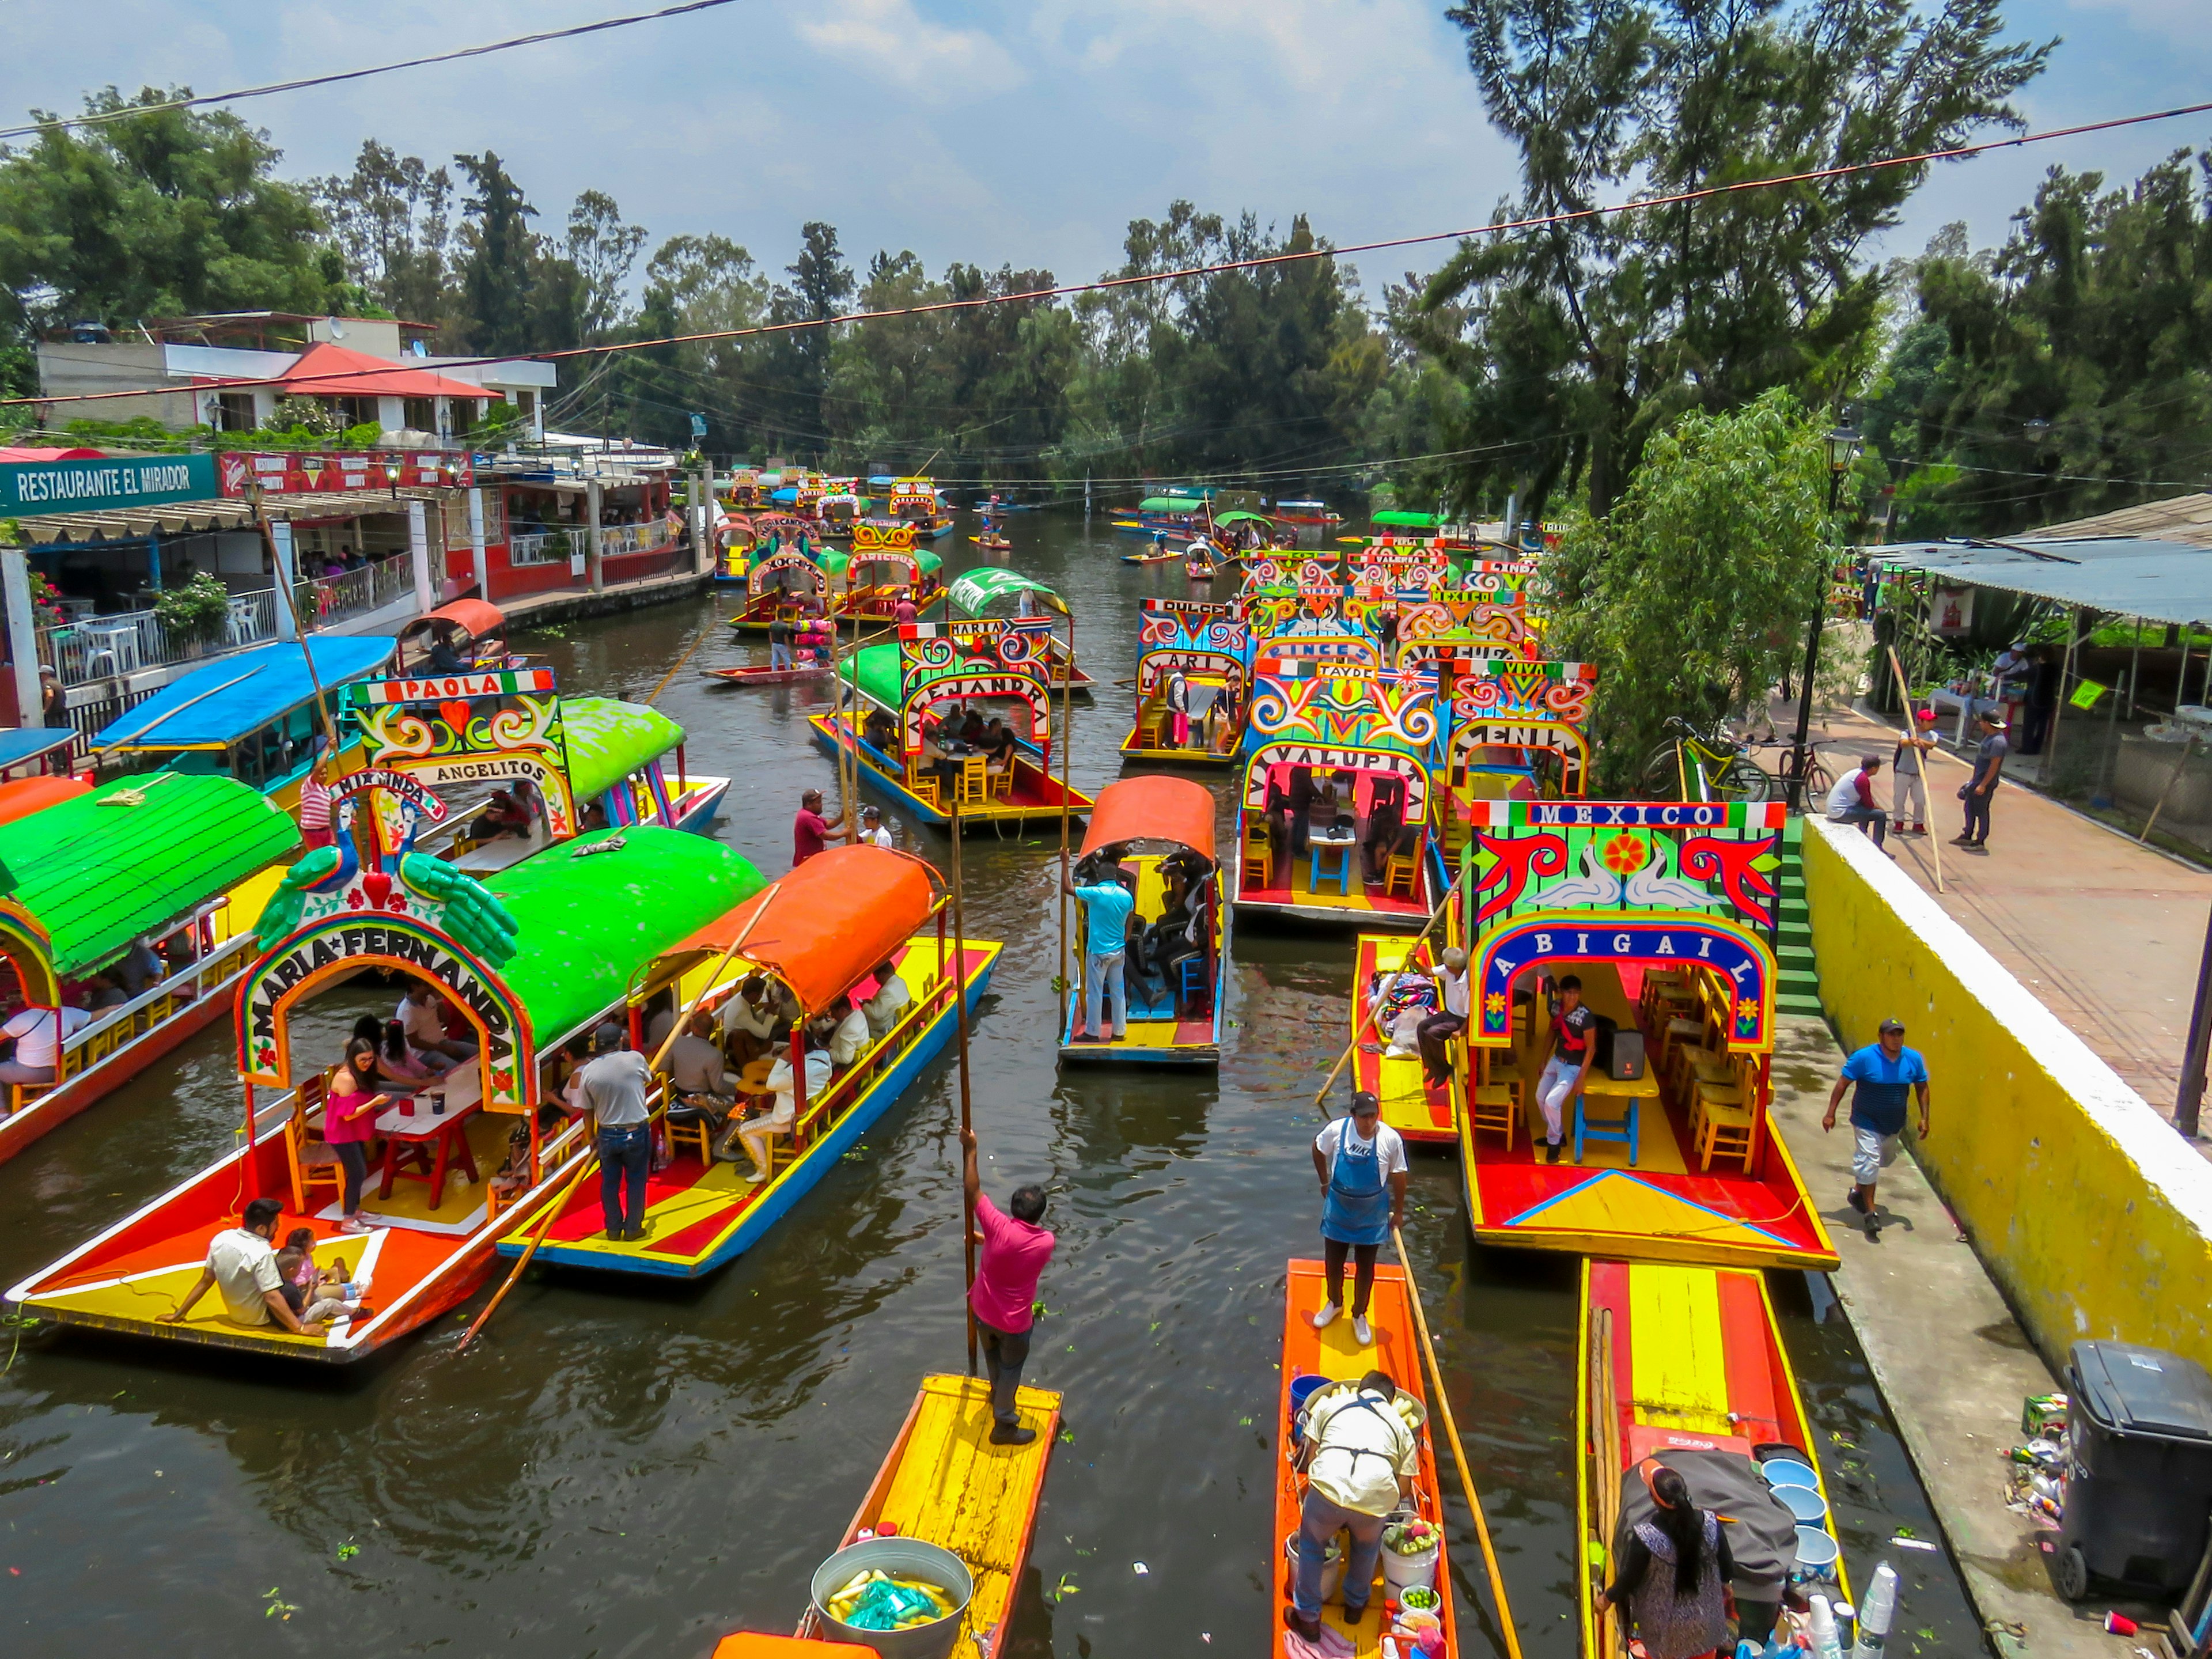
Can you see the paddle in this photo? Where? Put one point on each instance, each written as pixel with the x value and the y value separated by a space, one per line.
pixel 1435 917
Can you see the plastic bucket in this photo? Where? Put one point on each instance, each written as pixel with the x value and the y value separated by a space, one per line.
pixel 1331 1572
pixel 1303 1389
pixel 901 1558
pixel 1817 1553
pixel 1786 1472
pixel 1408 1572
pixel 1805 1504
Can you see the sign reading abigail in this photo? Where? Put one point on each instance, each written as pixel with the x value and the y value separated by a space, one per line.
pixel 32 489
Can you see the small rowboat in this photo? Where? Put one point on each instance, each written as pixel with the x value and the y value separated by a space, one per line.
pixel 993 543
pixel 946 1484
pixel 762 675
pixel 1199 570
pixel 1151 558
pixel 1335 1354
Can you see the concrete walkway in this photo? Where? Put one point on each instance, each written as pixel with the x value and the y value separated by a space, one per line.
pixel 2106 932
pixel 1951 1362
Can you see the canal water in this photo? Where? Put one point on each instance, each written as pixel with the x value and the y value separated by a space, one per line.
pixel 622 1469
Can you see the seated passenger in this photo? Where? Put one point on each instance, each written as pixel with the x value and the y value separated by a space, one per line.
pixel 880 731
pixel 314 1293
pixel 139 968
pixel 999 744
pixel 759 1133
pixel 421 1013
pixel 971 728
pixel 241 1261
pixel 749 1023
pixel 851 1035
pixel 891 1001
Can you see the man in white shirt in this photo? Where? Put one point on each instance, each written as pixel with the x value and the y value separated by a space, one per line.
pixel 889 1002
pixel 872 827
pixel 852 1036
pixel 419 1014
pixel 759 1133
pixel 749 1021
pixel 1851 801
pixel 242 1262
pixel 38 1034
pixel 1450 1019
pixel 695 1064
pixel 1360 1459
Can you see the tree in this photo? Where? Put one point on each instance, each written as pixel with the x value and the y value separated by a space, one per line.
pixel 391 222
pixel 1694 592
pixel 1579 341
pixel 603 250
pixel 498 248
pixel 160 213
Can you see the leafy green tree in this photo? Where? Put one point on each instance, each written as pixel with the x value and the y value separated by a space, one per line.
pixel 391 221
pixel 1579 341
pixel 1693 594
pixel 159 213
pixel 498 256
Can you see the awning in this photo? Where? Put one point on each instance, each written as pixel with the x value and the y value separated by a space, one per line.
pixel 823 927
pixel 472 617
pixel 19 744
pixel 1153 808
pixel 21 797
pixel 326 369
pixel 192 518
pixel 2130 576
pixel 974 589
pixel 608 739
pixel 233 694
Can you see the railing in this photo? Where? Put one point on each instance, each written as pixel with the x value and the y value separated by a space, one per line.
pixel 117 1029
pixel 633 539
pixel 542 547
pixel 333 598
pixel 100 647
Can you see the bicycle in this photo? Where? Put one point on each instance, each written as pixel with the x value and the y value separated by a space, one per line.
pixel 1701 766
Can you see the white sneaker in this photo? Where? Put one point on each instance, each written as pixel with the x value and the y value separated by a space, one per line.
pixel 353 1223
pixel 1360 1333
pixel 1327 1317
pixel 756 1177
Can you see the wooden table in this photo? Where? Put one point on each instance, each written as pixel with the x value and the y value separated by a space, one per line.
pixel 431 1139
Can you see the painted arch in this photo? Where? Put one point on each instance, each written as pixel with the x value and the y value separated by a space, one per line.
pixel 1643 938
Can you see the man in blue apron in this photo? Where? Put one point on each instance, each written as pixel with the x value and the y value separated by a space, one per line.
pixel 1361 1161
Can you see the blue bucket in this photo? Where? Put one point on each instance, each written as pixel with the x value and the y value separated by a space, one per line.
pixel 1787 1472
pixel 1303 1389
pixel 1817 1554
pixel 1804 1504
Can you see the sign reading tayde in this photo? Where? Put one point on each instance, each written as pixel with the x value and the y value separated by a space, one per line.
pixel 31 489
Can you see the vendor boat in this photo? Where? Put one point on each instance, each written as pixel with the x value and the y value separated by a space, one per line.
pixel 1312 722
pixel 1664 911
pixel 1686 1364
pixel 1392 978
pixel 531 961
pixel 977 593
pixel 1177 979
pixel 1211 647
pixel 251 715
pixel 821 932
pixel 155 880
pixel 784 581
pixel 1337 1356
pixel 947 1485
pixel 934 667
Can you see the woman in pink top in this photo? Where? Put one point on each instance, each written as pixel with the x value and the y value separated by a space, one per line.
pixel 1004 1297
pixel 349 1124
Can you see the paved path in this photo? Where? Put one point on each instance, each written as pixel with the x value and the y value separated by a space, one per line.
pixel 1952 1364
pixel 2108 934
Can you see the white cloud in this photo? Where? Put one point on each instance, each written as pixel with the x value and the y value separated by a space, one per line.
pixel 891 40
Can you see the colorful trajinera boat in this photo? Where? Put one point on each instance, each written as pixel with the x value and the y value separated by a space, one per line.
pixel 977 593
pixel 821 932
pixel 918 502
pixel 530 962
pixel 1336 1356
pixel 133 903
pixel 34 770
pixel 1684 1364
pixel 473 636
pixel 1178 511
pixel 945 1483
pixel 1211 647
pixel 1392 978
pixel 1177 977
pixel 1664 911
pixel 939 668
pixel 784 581
pixel 1360 747
pixel 251 715
pixel 884 566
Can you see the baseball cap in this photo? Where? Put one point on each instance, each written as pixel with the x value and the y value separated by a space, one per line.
pixel 1893 1024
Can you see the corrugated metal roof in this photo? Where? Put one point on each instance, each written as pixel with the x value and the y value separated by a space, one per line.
pixel 2185 519
pixel 2130 575
pixel 136 523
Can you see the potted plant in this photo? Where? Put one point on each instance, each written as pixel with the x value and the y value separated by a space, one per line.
pixel 197 613
pixel 1409 1553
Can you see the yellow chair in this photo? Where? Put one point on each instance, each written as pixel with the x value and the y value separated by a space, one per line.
pixel 1722 1131
pixel 1259 854
pixel 315 1167
pixel 1497 1106
pixel 922 785
pixel 1002 780
pixel 1401 870
pixel 971 785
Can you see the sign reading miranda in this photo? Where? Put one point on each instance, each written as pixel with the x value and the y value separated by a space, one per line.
pixel 30 488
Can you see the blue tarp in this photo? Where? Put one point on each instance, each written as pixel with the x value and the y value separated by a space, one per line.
pixel 20 744
pixel 233 694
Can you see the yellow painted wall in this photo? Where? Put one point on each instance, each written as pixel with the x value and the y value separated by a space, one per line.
pixel 2090 1212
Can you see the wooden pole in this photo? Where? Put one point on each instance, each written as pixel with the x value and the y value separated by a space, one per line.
pixel 1605 1451
pixel 966 1112
pixel 1343 1059
pixel 1459 1454
pixel 2159 805
pixel 654 696
pixel 1912 728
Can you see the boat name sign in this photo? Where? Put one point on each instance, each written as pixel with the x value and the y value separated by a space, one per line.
pixel 410 789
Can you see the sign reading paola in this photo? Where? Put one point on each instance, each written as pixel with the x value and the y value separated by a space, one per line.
pixel 498 683
pixel 1667 942
pixel 342 945
pixel 31 489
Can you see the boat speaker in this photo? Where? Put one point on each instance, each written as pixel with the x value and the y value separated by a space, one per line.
pixel 1627 1056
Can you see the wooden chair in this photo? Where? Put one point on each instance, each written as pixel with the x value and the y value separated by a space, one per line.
pixel 315 1166
pixel 1402 875
pixel 1002 780
pixel 1258 866
pixel 1721 1131
pixel 922 785
pixel 971 785
pixel 698 1136
pixel 1497 1106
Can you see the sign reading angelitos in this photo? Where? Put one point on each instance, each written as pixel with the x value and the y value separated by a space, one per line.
pixel 32 489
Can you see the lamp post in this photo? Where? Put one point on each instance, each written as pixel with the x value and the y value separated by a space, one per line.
pixel 1843 450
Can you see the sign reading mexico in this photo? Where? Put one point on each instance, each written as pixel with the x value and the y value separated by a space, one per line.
pixel 31 489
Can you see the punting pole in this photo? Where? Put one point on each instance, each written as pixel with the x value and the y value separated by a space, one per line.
pixel 1912 728
pixel 561 1198
pixel 1459 1454
pixel 1344 1058
pixel 967 1115
pixel 653 695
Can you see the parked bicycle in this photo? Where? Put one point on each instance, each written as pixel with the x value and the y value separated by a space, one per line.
pixel 1696 765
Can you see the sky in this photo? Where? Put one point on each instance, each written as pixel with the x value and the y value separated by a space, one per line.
pixel 1017 132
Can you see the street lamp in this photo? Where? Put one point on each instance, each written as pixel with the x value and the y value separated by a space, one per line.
pixel 1843 449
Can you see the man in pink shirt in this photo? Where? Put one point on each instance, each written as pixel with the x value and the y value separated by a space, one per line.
pixel 810 830
pixel 1014 1252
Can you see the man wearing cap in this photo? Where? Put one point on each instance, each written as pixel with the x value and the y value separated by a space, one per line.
pixel 873 830
pixel 1450 1019
pixel 1851 801
pixel 1908 792
pixel 1886 1073
pixel 610 1085
pixel 1989 762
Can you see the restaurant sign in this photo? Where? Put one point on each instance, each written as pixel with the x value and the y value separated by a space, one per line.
pixel 33 489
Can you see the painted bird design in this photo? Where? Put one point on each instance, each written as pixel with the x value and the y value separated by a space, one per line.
pixel 1593 889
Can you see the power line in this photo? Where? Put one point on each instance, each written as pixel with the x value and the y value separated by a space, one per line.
pixel 1142 279
pixel 100 116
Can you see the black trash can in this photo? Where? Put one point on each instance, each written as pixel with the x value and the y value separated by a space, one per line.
pixel 2139 1468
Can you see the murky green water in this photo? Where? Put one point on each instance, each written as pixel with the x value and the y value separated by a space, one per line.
pixel 623 1468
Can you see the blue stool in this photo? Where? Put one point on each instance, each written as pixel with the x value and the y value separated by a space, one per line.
pixel 1342 875
pixel 1622 1129
pixel 1192 988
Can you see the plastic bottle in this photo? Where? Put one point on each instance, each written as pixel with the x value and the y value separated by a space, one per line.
pixel 1822 1628
pixel 1877 1609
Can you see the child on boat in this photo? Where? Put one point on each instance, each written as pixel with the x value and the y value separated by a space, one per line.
pixel 316 1295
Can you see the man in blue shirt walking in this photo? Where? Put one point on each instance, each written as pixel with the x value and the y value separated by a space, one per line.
pixel 1106 907
pixel 1887 1074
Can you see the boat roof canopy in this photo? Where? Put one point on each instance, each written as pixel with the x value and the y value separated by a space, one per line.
pixel 1240 516
pixel 1153 808
pixel 99 870
pixel 588 921
pixel 974 589
pixel 607 740
pixel 232 695
pixel 821 928
pixel 472 617
pixel 20 797
pixel 30 743
pixel 1171 503
pixel 1406 521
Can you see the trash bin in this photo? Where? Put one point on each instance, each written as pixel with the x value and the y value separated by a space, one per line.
pixel 2138 1469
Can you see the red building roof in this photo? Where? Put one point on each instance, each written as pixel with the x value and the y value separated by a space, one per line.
pixel 13 455
pixel 327 370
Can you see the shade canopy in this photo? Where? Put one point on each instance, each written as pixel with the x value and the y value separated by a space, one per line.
pixel 102 868
pixel 1406 521
pixel 328 370
pixel 1171 503
pixel 232 695
pixel 1241 517
pixel 1153 808
pixel 2158 581
pixel 19 743
pixel 975 589
pixel 472 617
pixel 607 740
pixel 825 925
pixel 20 797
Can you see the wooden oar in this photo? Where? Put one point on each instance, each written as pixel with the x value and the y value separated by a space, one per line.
pixel 1343 1059
pixel 1459 1453
pixel 680 662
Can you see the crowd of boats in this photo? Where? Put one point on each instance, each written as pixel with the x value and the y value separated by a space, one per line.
pixel 325 827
